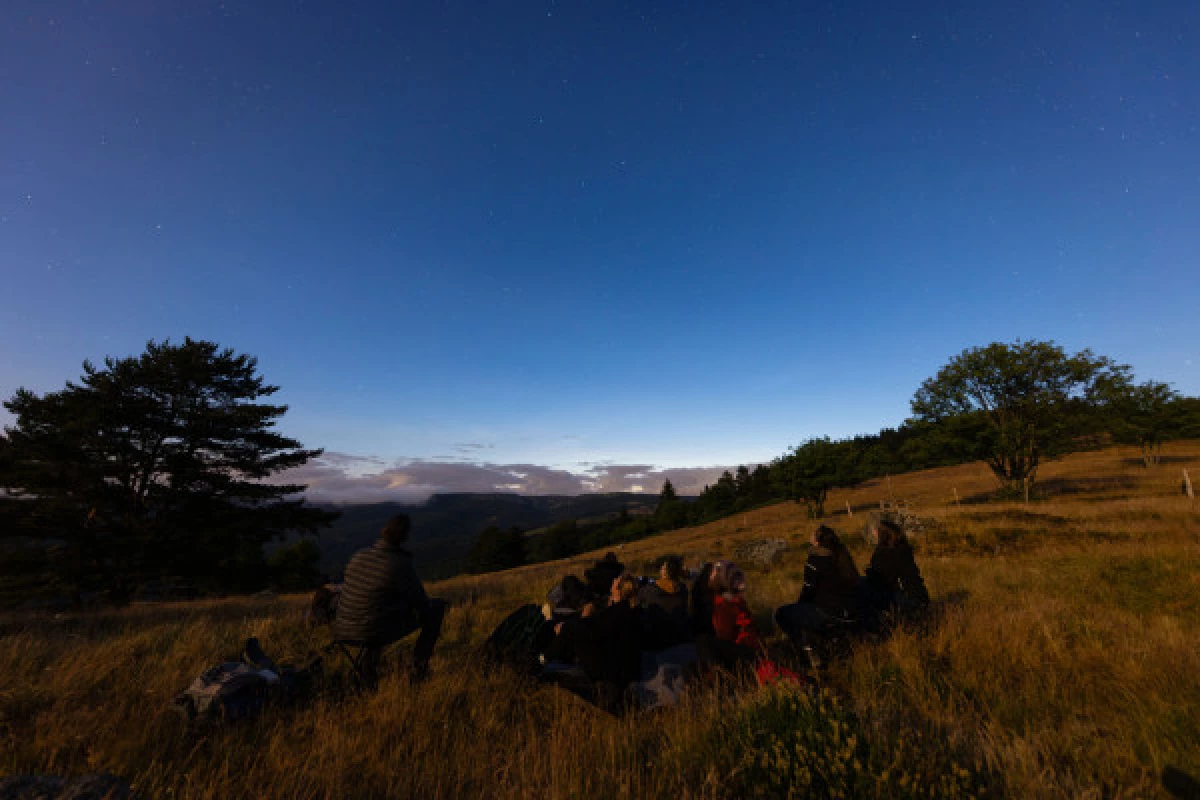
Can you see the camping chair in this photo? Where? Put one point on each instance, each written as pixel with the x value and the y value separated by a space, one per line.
pixel 362 657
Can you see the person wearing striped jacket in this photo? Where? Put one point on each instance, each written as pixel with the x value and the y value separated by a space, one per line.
pixel 383 600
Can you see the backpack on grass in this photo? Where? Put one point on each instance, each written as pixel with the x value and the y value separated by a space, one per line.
pixel 519 639
pixel 228 691
pixel 235 690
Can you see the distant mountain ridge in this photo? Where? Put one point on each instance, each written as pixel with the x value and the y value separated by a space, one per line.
pixel 446 525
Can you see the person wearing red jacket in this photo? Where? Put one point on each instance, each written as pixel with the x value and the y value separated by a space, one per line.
pixel 734 640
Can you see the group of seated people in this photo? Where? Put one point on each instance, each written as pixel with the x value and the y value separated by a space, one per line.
pixel 835 597
pixel 614 629
pixel 606 636
pixel 600 638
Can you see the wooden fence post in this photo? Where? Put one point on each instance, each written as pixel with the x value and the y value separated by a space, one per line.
pixel 1187 486
pixel 849 512
pixel 956 496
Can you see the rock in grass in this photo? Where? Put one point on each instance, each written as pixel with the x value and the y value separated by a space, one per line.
pixel 914 526
pixel 763 552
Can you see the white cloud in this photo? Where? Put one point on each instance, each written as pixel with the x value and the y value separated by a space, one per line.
pixel 340 478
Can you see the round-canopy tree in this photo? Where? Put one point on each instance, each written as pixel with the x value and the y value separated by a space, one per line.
pixel 1152 413
pixel 156 465
pixel 810 470
pixel 1031 393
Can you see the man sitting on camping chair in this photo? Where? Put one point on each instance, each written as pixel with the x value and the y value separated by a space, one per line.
pixel 383 601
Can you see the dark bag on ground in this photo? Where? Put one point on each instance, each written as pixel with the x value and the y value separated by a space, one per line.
pixel 228 692
pixel 236 690
pixel 520 639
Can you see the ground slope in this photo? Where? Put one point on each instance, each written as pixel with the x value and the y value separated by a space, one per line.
pixel 1064 665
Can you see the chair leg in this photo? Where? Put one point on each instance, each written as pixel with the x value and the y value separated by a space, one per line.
pixel 363 662
pixel 366 667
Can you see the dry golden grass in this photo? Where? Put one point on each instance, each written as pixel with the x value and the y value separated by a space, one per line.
pixel 1064 664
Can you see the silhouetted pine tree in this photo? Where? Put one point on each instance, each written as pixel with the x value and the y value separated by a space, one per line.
pixel 157 465
pixel 671 512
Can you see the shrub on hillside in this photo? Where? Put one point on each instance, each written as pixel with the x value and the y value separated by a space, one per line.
pixel 789 742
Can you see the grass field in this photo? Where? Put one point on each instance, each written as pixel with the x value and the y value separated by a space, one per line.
pixel 1064 664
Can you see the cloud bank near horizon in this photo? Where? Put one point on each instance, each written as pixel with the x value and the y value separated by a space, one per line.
pixel 343 478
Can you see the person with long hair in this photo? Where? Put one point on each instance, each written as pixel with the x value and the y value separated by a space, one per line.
pixel 830 588
pixel 734 639
pixel 893 581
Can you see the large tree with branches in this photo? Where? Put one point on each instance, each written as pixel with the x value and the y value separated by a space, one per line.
pixel 1031 393
pixel 153 466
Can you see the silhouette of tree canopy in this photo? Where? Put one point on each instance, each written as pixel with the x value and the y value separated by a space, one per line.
pixel 558 541
pixel 741 480
pixel 1151 413
pixel 156 465
pixel 1032 394
pixel 295 567
pixel 497 549
pixel 671 512
pixel 808 473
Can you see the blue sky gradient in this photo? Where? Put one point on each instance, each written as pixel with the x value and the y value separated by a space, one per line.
pixel 557 234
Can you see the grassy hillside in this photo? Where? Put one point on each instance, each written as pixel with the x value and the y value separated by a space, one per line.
pixel 1064 664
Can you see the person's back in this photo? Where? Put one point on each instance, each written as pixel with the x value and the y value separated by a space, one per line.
pixel 567 599
pixel 668 621
pixel 381 594
pixel 734 640
pixel 826 586
pixel 665 604
pixel 609 644
pixel 600 577
pixel 382 600
pixel 702 602
pixel 893 570
pixel 830 596
pixel 733 621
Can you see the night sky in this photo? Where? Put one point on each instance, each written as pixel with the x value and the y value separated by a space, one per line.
pixel 601 241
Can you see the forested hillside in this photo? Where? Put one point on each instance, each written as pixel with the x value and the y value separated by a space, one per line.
pixel 445 527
